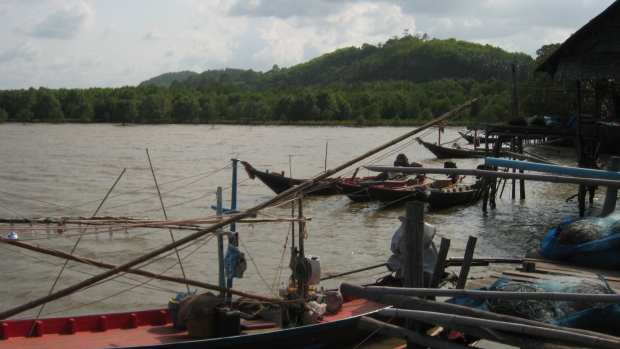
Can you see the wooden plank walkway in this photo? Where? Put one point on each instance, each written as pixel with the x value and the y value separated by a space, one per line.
pixel 546 270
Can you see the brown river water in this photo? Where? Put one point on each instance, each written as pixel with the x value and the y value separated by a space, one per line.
pixel 66 170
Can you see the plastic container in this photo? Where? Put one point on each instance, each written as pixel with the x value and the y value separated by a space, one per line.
pixel 283 290
pixel 315 268
pixel 174 311
pixel 227 323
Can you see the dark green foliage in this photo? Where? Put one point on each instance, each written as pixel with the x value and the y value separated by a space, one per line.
pixel 541 95
pixel 405 81
pixel 24 115
pixel 164 80
pixel 4 116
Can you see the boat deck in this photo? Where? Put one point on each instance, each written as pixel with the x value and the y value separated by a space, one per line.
pixel 140 328
pixel 537 268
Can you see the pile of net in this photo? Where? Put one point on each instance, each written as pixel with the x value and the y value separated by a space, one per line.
pixel 599 317
pixel 593 242
pixel 197 307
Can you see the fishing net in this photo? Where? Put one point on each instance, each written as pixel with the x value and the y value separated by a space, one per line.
pixel 592 242
pixel 598 317
pixel 547 311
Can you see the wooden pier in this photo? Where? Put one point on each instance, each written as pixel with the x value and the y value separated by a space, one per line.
pixel 537 268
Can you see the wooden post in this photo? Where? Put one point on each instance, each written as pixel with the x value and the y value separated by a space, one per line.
pixel 469 255
pixel 220 244
pixel 611 195
pixel 513 148
pixel 582 188
pixel 413 257
pixel 493 181
pixel 522 182
pixel 485 181
pixel 302 286
pixel 441 263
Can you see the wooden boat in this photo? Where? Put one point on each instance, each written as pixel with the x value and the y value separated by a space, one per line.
pixel 442 152
pixel 356 189
pixel 452 196
pixel 153 329
pixel 470 138
pixel 397 193
pixel 279 183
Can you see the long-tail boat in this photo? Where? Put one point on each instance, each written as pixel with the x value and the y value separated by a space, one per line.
pixel 470 138
pixel 442 152
pixel 279 183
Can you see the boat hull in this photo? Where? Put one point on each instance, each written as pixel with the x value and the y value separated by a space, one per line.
pixel 452 153
pixel 279 183
pixel 153 329
pixel 357 189
pixel 455 196
pixel 470 138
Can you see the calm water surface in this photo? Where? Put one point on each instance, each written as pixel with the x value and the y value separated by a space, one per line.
pixel 66 170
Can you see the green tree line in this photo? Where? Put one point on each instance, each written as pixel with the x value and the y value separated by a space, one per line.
pixel 239 96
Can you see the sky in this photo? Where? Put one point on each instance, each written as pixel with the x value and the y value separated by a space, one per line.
pixel 114 43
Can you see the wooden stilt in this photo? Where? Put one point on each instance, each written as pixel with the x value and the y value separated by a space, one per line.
pixel 441 262
pixel 413 256
pixel 469 255
pixel 611 195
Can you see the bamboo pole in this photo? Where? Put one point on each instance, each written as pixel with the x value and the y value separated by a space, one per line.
pixel 155 223
pixel 370 324
pixel 330 276
pixel 449 320
pixel 505 338
pixel 536 296
pixel 141 272
pixel 412 303
pixel 154 253
pixel 496 174
pixel 163 208
pixel 73 250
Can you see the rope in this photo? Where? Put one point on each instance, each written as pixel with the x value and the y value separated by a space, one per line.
pixel 255 267
pixel 374 332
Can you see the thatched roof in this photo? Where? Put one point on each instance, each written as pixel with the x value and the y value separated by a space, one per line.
pixel 591 53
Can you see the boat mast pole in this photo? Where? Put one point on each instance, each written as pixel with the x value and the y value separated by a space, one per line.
pixel 234 218
pixel 220 244
pixel 233 227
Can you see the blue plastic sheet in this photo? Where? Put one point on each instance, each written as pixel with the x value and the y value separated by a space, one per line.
pixel 603 253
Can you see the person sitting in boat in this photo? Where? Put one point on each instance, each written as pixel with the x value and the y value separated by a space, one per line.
pixel 420 177
pixel 401 161
pixel 454 177
pixel 455 145
pixel 398 245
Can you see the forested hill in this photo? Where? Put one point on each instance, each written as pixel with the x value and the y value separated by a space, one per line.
pixel 194 79
pixel 409 58
pixel 166 79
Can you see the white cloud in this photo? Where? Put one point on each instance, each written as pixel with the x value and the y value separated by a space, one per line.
pixel 206 49
pixel 125 46
pixel 109 29
pixel 282 47
pixel 26 51
pixel 66 22
pixel 472 23
pixel 154 34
